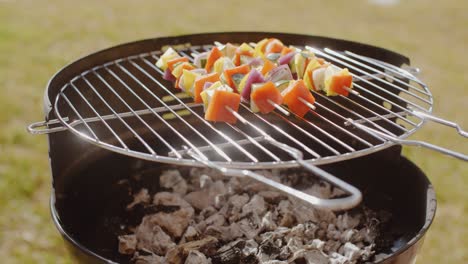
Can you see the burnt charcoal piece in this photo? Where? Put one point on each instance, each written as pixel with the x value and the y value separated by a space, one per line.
pixel 219 221
pixel 171 179
pixel 178 254
pixel 152 238
pixel 234 253
pixel 127 244
pixel 149 259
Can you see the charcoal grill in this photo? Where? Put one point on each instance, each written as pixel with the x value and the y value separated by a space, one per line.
pixel 117 100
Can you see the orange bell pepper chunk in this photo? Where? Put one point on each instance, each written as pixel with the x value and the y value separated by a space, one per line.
pixel 292 94
pixel 267 66
pixel 173 62
pixel 239 53
pixel 200 82
pixel 228 73
pixel 274 47
pixel 339 82
pixel 215 54
pixel 286 50
pixel 217 111
pixel 261 96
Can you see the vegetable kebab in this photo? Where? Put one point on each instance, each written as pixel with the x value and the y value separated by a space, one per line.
pixel 267 74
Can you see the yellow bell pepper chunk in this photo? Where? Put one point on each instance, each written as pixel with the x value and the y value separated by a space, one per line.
pixel 167 56
pixel 208 93
pixel 177 72
pixel 222 64
pixel 189 80
pixel 312 65
pixel 259 47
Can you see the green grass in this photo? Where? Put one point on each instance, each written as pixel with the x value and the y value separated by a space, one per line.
pixel 39 37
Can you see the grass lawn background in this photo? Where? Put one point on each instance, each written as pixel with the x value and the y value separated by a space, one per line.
pixel 37 38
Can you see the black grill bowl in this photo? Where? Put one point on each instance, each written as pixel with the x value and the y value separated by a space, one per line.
pixel 91 207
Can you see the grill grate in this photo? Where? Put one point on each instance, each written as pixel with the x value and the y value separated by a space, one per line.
pixel 126 106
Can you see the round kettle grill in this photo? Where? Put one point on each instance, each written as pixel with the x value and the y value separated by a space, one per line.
pixel 117 100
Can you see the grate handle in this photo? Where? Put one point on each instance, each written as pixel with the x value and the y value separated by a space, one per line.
pixel 42 127
pixel 336 204
pixel 439 120
pixel 417 143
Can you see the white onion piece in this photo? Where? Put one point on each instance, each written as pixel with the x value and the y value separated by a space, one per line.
pixel 329 72
pixel 199 71
pixel 273 56
pixel 282 85
pixel 279 73
pixel 318 77
pixel 199 57
pixel 246 59
pixel 256 62
pixel 253 105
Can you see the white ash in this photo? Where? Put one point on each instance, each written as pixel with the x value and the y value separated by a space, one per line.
pixel 171 179
pixel 205 217
pixel 141 197
pixel 196 257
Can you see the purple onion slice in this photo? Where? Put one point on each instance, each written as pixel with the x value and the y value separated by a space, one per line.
pixel 254 77
pixel 286 59
pixel 168 75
